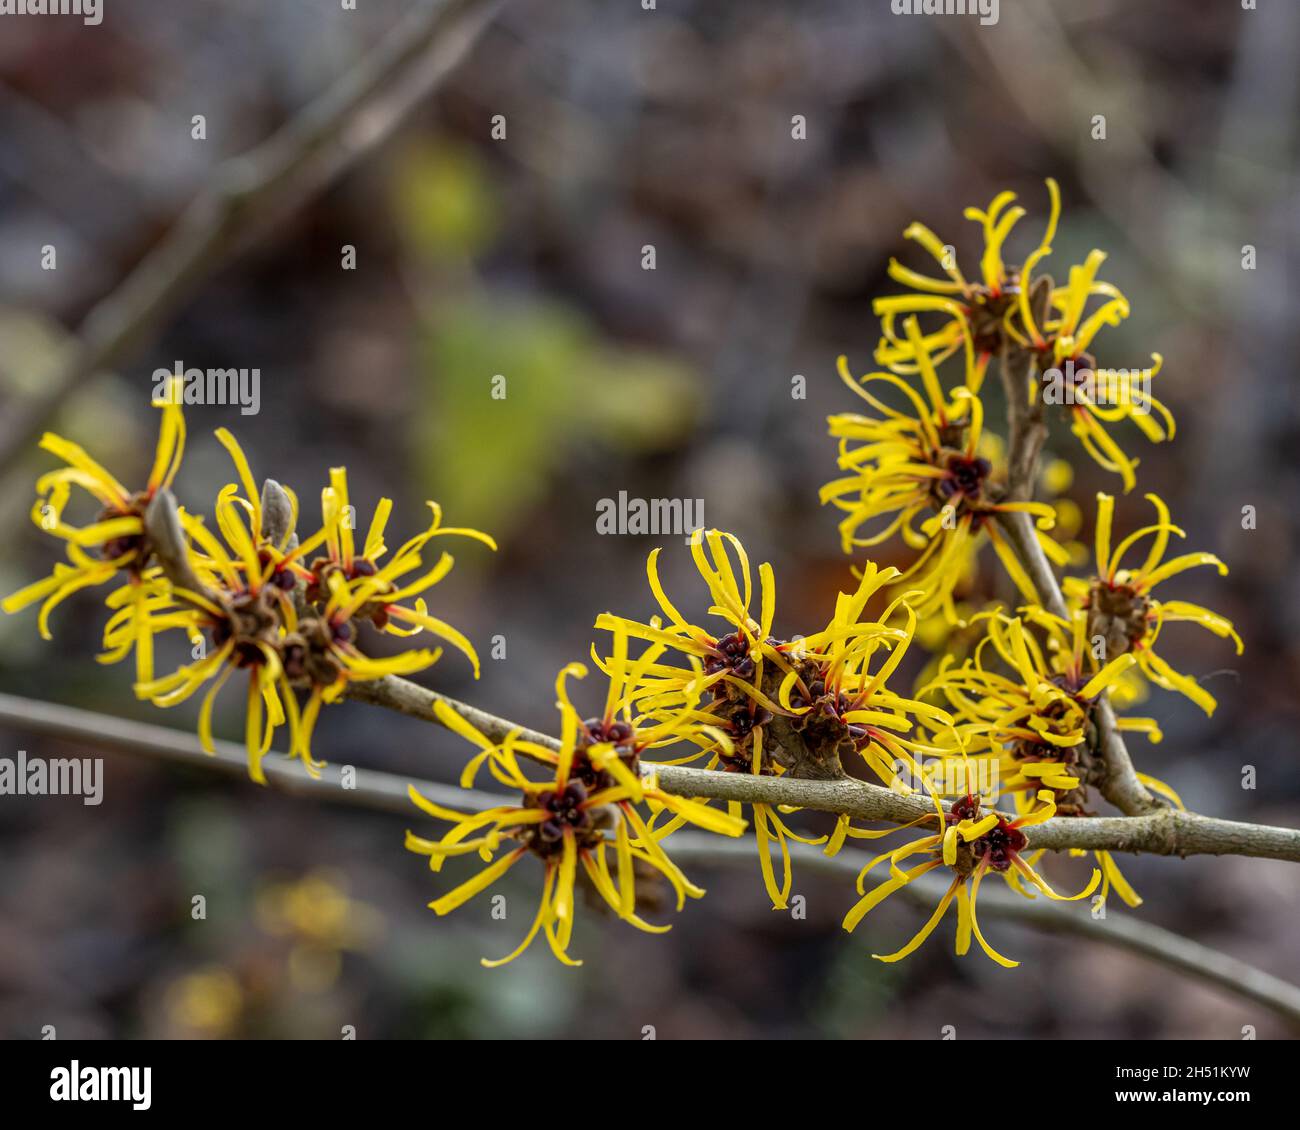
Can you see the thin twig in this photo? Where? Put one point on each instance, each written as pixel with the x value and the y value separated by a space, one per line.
pixel 410 698
pixel 1026 428
pixel 346 121
pixel 1019 528
pixel 1164 832
pixel 366 788
pixel 1122 786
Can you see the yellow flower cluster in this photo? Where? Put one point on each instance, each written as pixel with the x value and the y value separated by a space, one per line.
pixel 582 815
pixel 926 475
pixel 810 705
pixel 1012 308
pixel 284 614
pixel 1021 688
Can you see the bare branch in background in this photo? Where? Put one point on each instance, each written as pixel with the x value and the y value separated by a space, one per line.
pixel 373 789
pixel 246 192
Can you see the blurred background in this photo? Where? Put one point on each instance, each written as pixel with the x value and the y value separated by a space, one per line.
pixel 523 256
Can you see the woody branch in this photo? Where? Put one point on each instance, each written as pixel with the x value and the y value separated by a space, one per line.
pixel 1160 832
pixel 1163 832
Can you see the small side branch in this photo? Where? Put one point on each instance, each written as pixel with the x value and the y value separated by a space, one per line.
pixel 1025 420
pixel 1122 787
pixel 410 698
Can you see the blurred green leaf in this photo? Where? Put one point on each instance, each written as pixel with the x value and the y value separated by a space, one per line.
pixel 492 458
pixel 445 204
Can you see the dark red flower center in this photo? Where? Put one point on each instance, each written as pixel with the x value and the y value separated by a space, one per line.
pixel 998 846
pixel 730 653
pixel 565 812
pixel 963 478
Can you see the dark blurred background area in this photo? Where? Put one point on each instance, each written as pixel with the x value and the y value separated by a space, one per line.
pixel 522 257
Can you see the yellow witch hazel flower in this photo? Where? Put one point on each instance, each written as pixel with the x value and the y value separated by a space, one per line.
pixel 920 474
pixel 583 813
pixel 245 598
pixel 732 661
pixel 977 312
pixel 732 669
pixel 604 752
pixel 838 694
pixel 288 626
pixel 1026 708
pixel 799 706
pixel 741 666
pixel 116 542
pixel 1121 609
pixel 345 588
pixel 242 604
pixel 757 679
pixel 1008 306
pixel 377 591
pixel 1069 374
pixel 816 723
pixel 1044 698
pixel 969 847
